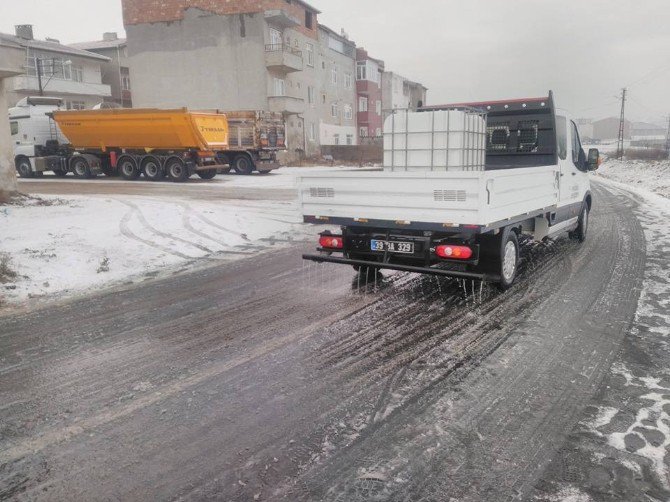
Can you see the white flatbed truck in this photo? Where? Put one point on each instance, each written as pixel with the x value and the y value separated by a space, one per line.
pixel 460 184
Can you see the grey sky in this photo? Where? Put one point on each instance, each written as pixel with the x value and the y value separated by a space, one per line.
pixel 585 50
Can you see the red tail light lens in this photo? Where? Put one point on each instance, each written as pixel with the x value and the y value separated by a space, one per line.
pixel 453 252
pixel 331 242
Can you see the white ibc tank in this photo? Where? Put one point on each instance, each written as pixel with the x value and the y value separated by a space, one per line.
pixel 435 141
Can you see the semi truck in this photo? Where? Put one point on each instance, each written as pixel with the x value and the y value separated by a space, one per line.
pixel 156 144
pixel 461 184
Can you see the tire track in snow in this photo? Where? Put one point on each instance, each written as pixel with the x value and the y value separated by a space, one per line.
pixel 126 232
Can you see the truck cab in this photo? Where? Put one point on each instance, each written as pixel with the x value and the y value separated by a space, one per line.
pixel 36 138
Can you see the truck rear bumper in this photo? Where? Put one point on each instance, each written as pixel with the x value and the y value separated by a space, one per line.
pixel 403 268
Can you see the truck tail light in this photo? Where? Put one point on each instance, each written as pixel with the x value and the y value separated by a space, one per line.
pixel 331 242
pixel 451 252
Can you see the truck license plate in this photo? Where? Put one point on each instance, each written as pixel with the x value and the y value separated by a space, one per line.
pixel 392 246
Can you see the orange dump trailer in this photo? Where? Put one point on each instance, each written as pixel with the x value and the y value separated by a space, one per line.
pixel 145 129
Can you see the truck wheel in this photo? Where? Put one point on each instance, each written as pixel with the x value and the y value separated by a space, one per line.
pixel 508 259
pixel 152 169
pixel 208 175
pixel 81 169
pixel 580 233
pixel 176 170
pixel 24 168
pixel 128 168
pixel 223 160
pixel 243 164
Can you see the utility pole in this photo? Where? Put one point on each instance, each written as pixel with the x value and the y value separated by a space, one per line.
pixel 38 63
pixel 622 126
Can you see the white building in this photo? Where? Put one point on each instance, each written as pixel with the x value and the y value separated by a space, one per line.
pixel 399 92
pixel 72 74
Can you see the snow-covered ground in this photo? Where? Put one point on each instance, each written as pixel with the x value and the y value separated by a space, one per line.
pixel 649 175
pixel 81 243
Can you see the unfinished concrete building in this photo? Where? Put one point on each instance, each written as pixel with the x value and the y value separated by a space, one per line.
pixel 399 92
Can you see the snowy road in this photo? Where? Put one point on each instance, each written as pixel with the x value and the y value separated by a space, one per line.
pixel 264 379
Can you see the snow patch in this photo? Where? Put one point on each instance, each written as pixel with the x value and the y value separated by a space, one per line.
pixel 570 494
pixel 649 175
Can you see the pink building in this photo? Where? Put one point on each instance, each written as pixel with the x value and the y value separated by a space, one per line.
pixel 369 90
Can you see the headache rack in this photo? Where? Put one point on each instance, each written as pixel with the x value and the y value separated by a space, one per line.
pixel 519 132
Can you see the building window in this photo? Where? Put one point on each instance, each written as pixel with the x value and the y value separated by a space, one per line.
pixel 379 107
pixel 348 112
pixel 309 20
pixel 14 128
pixel 280 87
pixel 334 110
pixel 362 104
pixel 323 99
pixel 378 132
pixel 363 132
pixel 77 74
pixel 333 75
pixel 125 82
pixel 275 39
pixel 312 131
pixel 348 81
pixel 337 139
pixel 75 105
pixel 361 71
pixel 350 139
pixel 310 55
pixel 310 95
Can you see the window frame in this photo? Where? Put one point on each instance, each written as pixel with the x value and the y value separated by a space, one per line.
pixel 363 104
pixel 309 49
pixel 14 127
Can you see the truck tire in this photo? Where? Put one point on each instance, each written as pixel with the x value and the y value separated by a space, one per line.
pixel 176 170
pixel 580 233
pixel 128 168
pixel 499 256
pixel 243 164
pixel 152 169
pixel 80 168
pixel 24 167
pixel 208 175
pixel 223 160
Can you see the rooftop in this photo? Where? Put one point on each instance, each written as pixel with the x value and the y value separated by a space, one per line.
pixel 109 41
pixel 50 46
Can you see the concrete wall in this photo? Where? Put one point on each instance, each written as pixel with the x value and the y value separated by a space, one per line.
pixel 204 61
pixel 11 63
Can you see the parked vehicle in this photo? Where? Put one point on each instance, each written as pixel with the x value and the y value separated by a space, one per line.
pixel 460 185
pixel 259 134
pixel 158 144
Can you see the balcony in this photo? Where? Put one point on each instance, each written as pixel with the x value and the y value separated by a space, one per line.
pixel 286 104
pixel 28 83
pixel 281 18
pixel 283 58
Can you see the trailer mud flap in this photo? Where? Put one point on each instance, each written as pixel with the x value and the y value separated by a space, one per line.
pixel 403 268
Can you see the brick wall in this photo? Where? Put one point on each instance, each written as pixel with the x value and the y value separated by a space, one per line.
pixel 157 11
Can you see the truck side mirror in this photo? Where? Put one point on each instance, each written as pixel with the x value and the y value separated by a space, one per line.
pixel 594 159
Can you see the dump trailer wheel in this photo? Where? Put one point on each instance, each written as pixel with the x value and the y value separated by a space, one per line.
pixel 208 175
pixel 24 167
pixel 580 233
pixel 243 164
pixel 81 168
pixel 176 170
pixel 128 168
pixel 152 169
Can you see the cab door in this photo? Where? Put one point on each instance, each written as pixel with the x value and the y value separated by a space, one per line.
pixel 573 173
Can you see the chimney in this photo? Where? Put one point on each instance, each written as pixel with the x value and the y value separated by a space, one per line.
pixel 110 36
pixel 24 31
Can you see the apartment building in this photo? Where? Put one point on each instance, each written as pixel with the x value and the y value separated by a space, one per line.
pixel 208 54
pixel 399 92
pixel 336 93
pixel 369 91
pixel 72 74
pixel 115 72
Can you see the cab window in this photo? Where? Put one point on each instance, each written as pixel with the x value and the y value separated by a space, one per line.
pixel 14 127
pixel 562 137
pixel 576 145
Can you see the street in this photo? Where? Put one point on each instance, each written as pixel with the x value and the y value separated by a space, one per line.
pixel 267 379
